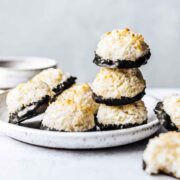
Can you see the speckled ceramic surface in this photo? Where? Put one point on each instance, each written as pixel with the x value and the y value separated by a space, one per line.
pixel 86 140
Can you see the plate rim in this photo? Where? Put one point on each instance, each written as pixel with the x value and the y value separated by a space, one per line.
pixel 82 140
pixel 119 131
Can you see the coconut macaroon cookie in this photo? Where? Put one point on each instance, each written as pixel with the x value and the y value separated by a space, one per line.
pixel 56 79
pixel 27 100
pixel 73 111
pixel 119 117
pixel 162 155
pixel 168 112
pixel 122 49
pixel 118 86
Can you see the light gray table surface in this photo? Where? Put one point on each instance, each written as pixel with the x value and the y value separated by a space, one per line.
pixel 23 161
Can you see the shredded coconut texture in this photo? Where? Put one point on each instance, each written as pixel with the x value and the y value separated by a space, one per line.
pixel 171 105
pixel 25 94
pixel 163 154
pixel 122 45
pixel 73 111
pixel 120 115
pixel 52 76
pixel 115 83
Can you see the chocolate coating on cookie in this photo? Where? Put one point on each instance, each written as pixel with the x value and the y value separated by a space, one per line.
pixel 115 127
pixel 164 117
pixel 99 61
pixel 38 108
pixel 64 85
pixel 118 102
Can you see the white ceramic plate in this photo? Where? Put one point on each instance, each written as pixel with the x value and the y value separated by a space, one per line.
pixel 84 140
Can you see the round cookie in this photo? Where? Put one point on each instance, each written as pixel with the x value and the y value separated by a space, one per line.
pixel 118 86
pixel 119 117
pixel 27 100
pixel 168 112
pixel 73 111
pixel 122 49
pixel 56 79
pixel 162 155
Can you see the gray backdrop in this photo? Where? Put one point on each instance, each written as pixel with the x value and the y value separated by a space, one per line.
pixel 68 30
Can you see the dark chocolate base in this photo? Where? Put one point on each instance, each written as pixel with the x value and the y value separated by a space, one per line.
pixel 34 125
pixel 164 118
pixel 159 172
pixel 49 129
pixel 115 127
pixel 39 108
pixel 144 165
pixel 64 85
pixel 118 102
pixel 99 61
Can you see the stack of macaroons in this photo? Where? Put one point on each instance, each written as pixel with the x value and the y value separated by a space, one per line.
pixel 32 98
pixel 114 102
pixel 119 86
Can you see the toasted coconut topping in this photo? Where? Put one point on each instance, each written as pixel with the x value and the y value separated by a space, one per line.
pixel 73 110
pixel 163 154
pixel 120 115
pixel 52 76
pixel 27 93
pixel 122 45
pixel 115 83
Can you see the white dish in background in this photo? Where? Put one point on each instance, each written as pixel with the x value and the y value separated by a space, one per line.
pixel 15 70
pixel 80 140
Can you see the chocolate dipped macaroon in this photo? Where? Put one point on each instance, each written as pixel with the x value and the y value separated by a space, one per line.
pixel 57 80
pixel 115 87
pixel 162 155
pixel 73 111
pixel 28 100
pixel 120 117
pixel 168 112
pixel 122 49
